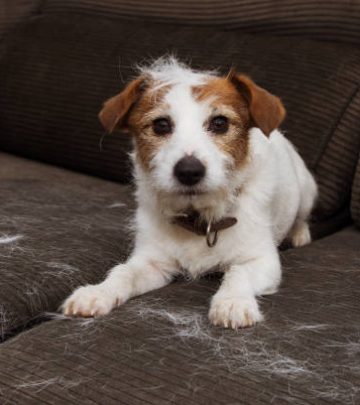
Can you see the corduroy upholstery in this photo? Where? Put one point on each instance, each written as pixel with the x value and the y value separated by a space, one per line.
pixel 69 230
pixel 355 198
pixel 71 64
pixel 14 11
pixel 60 229
pixel 159 348
pixel 321 19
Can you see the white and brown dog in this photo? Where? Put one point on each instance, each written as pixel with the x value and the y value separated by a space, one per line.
pixel 218 187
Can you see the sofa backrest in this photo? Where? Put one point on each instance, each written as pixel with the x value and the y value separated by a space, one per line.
pixel 14 11
pixel 322 19
pixel 59 67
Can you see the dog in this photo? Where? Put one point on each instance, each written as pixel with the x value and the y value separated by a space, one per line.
pixel 218 188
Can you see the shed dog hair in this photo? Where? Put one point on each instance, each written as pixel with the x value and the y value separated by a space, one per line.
pixel 218 188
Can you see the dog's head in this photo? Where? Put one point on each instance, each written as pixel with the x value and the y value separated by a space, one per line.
pixel 191 130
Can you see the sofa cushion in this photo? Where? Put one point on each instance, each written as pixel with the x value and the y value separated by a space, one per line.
pixel 60 230
pixel 323 19
pixel 57 230
pixel 160 349
pixel 58 69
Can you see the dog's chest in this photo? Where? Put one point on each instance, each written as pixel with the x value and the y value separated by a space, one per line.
pixel 195 257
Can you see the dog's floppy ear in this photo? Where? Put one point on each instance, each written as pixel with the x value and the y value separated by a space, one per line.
pixel 116 110
pixel 266 110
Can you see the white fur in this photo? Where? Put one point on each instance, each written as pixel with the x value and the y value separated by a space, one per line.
pixel 271 196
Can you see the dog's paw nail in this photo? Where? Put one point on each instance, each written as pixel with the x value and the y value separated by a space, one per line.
pixel 119 302
pixel 88 301
pixel 234 312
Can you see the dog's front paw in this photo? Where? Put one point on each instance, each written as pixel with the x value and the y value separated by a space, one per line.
pixel 234 312
pixel 87 301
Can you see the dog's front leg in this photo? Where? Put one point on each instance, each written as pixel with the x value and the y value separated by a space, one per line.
pixel 138 276
pixel 235 305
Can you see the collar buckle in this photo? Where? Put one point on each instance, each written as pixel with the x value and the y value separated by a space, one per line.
pixel 191 222
pixel 211 241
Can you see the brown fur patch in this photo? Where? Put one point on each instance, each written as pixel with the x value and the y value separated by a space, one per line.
pixel 266 110
pixel 237 97
pixel 133 110
pixel 115 111
pixel 226 100
pixel 150 106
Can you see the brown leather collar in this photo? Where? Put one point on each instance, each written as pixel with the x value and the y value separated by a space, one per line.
pixel 192 222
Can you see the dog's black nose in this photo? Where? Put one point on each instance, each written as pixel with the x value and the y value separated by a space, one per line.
pixel 189 170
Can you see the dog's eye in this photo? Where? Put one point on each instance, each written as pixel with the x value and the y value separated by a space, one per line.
pixel 219 124
pixel 162 126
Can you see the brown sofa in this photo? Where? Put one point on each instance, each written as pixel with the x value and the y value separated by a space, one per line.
pixel 66 206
